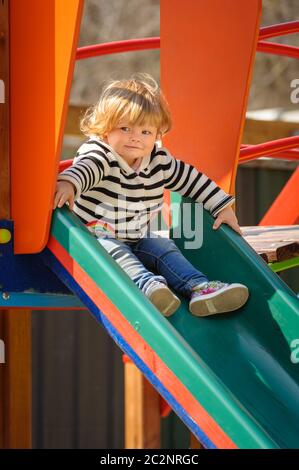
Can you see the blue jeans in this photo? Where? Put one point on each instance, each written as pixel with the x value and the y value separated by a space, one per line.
pixel 154 259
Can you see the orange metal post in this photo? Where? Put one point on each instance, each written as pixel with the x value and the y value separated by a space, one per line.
pixel 207 54
pixel 43 45
pixel 285 208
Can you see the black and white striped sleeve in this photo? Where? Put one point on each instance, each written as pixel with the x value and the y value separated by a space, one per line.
pixel 189 182
pixel 88 169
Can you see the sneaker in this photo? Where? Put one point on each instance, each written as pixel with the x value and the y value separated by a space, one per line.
pixel 162 298
pixel 215 297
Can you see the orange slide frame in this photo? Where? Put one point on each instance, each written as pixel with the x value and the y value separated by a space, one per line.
pixel 43 42
pixel 205 73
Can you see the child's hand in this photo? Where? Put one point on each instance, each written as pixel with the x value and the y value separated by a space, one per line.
pixel 65 192
pixel 227 216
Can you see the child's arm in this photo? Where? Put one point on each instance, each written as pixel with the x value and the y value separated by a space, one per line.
pixel 88 169
pixel 188 181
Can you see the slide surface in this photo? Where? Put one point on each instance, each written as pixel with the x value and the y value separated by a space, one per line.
pixel 233 379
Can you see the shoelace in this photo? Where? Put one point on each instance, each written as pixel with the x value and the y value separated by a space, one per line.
pixel 210 286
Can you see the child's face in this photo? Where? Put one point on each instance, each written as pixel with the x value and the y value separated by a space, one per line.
pixel 131 141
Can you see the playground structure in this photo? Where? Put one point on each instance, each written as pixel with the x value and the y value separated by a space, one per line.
pixel 232 380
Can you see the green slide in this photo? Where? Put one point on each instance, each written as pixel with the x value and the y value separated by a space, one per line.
pixel 239 368
pixel 250 351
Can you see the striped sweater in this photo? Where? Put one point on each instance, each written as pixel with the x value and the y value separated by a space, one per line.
pixel 113 197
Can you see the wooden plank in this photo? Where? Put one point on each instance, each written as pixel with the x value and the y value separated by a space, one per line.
pixel 277 243
pixel 275 251
pixel 257 131
pixel 16 388
pixel 142 411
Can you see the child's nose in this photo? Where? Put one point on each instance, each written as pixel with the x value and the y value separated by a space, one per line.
pixel 135 136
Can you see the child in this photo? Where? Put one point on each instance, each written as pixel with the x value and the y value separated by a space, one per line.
pixel 116 184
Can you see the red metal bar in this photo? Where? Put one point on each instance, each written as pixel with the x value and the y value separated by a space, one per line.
pixel 267 148
pixel 283 155
pixel 278 49
pixel 282 29
pixel 117 46
pixel 154 43
pixel 63 165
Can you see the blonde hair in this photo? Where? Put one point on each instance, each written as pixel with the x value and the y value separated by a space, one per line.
pixel 138 99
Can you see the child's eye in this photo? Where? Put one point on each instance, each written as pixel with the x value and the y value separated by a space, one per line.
pixel 146 132
pixel 125 129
